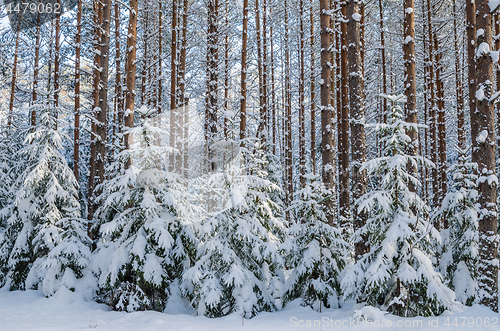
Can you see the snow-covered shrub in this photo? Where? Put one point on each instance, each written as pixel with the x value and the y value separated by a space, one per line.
pixel 460 242
pixel 46 243
pixel 397 273
pixel 238 268
pixel 143 241
pixel 314 250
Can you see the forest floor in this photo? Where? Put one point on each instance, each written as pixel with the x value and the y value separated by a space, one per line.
pixel 30 310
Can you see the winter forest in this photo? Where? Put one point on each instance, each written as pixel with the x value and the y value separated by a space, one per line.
pixel 238 155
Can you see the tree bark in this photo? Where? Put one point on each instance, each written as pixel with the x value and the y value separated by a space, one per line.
pixel 484 152
pixel 313 87
pixel 302 127
pixel 76 138
pixel 243 90
pixel 130 67
pixel 343 150
pixel 327 132
pixel 357 107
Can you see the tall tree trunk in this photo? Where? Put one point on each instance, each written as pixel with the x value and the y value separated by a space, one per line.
pixel 261 126
pixel 212 78
pixel 470 9
pixel 130 67
pixel 36 71
pixel 441 126
pixel 458 81
pixel 160 58
pixel 327 132
pixel 264 114
pixel 182 88
pixel 118 82
pixel 226 72
pixel 288 119
pixel 313 87
pixel 382 61
pixel 302 127
pixel 432 111
pixel 57 55
pixel 173 82
pixel 14 76
pixel 273 87
pixel 78 48
pixel 344 187
pixel 410 80
pixel 103 93
pixel 484 151
pixel 98 13
pixel 357 107
pixel 243 91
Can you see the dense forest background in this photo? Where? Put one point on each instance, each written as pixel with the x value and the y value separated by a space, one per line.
pixel 247 153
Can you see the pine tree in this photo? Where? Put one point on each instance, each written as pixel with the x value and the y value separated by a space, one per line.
pixel 397 273
pixel 45 244
pixel 141 250
pixel 314 249
pixel 238 268
pixel 460 242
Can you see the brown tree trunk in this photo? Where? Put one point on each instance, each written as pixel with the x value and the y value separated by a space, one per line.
pixel 98 13
pixel 382 63
pixel 76 140
pixel 118 82
pixel 313 88
pixel 261 126
pixel 212 78
pixel 470 9
pixel 243 91
pixel 288 119
pixel 432 111
pixel 226 72
pixel 327 132
pixel 14 76
pixel 103 93
pixel 36 71
pixel 357 107
pixel 273 87
pixel 343 150
pixel 410 80
pixel 441 126
pixel 57 55
pixel 173 82
pixel 458 81
pixel 484 151
pixel 182 88
pixel 130 67
pixel 302 127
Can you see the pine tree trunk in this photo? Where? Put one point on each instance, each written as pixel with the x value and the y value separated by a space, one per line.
pixel 243 91
pixel 14 77
pixel 343 149
pixel 130 67
pixel 302 128
pixel 103 93
pixel 273 87
pixel 182 87
pixel 226 71
pixel 173 87
pixel 458 82
pixel 36 71
pixel 357 107
pixel 212 78
pixel 118 78
pixel 95 96
pixel 470 9
pixel 264 114
pixel 288 119
pixel 76 140
pixel 410 80
pixel 484 151
pixel 382 62
pixel 441 122
pixel 327 132
pixel 432 111
pixel 261 126
pixel 57 55
pixel 313 88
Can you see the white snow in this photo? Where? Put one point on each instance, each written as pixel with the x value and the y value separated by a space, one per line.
pixel 483 48
pixel 356 17
pixel 493 5
pixel 66 311
pixel 482 135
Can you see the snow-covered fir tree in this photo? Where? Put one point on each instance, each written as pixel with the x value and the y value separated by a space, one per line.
pixel 397 273
pixel 45 243
pixel 142 248
pixel 460 242
pixel 238 267
pixel 315 250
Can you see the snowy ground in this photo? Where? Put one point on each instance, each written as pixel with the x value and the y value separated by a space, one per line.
pixel 65 311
